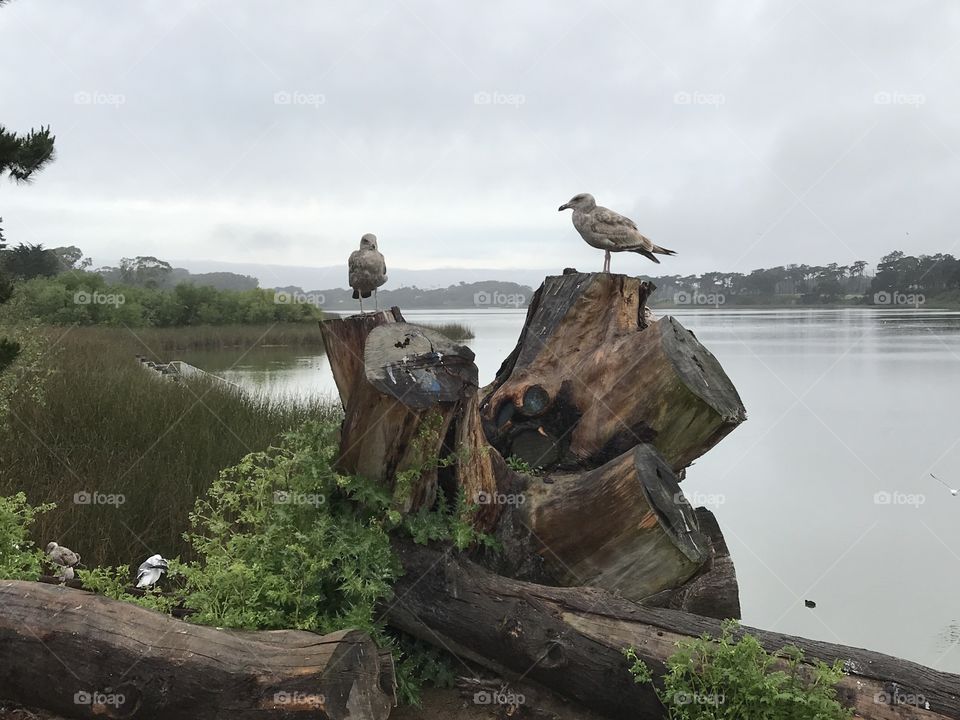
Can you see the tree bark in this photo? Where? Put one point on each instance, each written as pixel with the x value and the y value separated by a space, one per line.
pixel 571 640
pixel 624 526
pixel 406 385
pixel 590 378
pixel 82 655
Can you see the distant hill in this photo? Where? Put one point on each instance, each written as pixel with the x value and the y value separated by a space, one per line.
pixel 336 276
pixel 480 295
pixel 219 280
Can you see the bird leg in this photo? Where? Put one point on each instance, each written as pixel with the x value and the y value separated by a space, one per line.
pixel 376 301
pixel 606 261
pixel 361 302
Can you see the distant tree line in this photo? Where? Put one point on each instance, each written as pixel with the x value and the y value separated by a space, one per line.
pixel 936 277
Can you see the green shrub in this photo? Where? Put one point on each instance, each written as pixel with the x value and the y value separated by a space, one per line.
pixel 728 679
pixel 19 559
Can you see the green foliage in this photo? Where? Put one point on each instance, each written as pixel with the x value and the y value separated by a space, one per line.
pixel 114 582
pixel 418 664
pixel 729 679
pixel 24 367
pixel 518 464
pixel 30 261
pixel 85 298
pixel 19 559
pixel 283 541
pixel 23 155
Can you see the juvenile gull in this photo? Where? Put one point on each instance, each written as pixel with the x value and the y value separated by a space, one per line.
pixel 612 232
pixel 64 558
pixel 151 570
pixel 368 270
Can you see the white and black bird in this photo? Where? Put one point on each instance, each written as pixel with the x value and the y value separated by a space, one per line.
pixel 368 270
pixel 151 570
pixel 64 558
pixel 610 231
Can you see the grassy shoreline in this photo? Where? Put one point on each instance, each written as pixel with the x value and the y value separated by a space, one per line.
pixel 123 453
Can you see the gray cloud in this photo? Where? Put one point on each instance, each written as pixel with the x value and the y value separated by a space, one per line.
pixel 743 134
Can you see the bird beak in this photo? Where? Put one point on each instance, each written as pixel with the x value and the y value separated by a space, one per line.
pixel 565 206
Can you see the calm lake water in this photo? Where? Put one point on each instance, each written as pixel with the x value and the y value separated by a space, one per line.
pixel 824 493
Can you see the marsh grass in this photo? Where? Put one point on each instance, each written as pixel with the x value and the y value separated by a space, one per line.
pixel 222 337
pixel 142 448
pixel 453 330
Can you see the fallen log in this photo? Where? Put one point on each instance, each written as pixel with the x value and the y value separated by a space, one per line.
pixel 82 655
pixel 571 640
pixel 591 378
pixel 623 526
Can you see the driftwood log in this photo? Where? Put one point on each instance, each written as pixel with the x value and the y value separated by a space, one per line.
pixel 591 378
pixel 82 655
pixel 571 640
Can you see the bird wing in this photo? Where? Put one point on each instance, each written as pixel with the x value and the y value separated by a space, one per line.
pixel 65 557
pixel 383 265
pixel 618 229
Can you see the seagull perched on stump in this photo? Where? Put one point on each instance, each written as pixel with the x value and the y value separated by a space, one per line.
pixel 612 232
pixel 368 270
pixel 151 570
pixel 64 558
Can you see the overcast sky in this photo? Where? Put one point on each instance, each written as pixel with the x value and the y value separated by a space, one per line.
pixel 742 134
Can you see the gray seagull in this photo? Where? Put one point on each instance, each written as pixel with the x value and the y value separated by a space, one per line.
pixel 368 270
pixel 150 571
pixel 64 558
pixel 611 232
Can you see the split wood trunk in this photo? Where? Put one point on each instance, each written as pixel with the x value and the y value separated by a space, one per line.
pixel 82 655
pixel 571 640
pixel 591 378
pixel 401 386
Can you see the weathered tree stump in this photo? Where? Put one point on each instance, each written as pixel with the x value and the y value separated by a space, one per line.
pixel 590 378
pixel 412 383
pixel 82 655
pixel 571 640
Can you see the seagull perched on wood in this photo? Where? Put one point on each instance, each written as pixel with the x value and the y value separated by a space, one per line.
pixel 368 270
pixel 151 570
pixel 64 558
pixel 612 232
